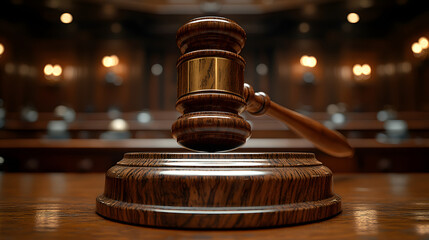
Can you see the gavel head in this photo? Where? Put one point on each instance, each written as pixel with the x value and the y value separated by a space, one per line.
pixel 210 85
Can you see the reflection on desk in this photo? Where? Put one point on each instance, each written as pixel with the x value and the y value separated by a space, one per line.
pixel 60 206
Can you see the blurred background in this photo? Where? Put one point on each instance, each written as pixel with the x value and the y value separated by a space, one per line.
pixel 84 81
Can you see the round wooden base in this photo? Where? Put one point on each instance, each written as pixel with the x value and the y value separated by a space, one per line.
pixel 218 190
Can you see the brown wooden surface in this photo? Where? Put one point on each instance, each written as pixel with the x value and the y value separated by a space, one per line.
pixel 62 206
pixel 218 190
pixel 210 85
pixel 213 33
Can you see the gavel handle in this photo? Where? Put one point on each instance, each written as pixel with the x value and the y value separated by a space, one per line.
pixel 328 141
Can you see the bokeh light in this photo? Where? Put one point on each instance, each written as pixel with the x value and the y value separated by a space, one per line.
pixel 353 18
pixel 110 61
pixel 357 70
pixel 57 70
pixel 308 61
pixel 423 41
pixel 366 69
pixel 416 48
pixel 66 18
pixel 363 70
pixel 48 70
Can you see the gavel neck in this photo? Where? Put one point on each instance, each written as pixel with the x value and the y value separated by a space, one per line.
pixel 257 103
pixel 328 141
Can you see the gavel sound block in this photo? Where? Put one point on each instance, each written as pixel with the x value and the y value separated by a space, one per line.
pixel 222 190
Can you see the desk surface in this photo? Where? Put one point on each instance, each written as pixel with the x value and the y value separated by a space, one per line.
pixel 62 206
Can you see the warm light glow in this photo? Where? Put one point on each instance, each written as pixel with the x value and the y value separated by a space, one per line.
pixel 48 70
pixel 115 59
pixel 366 69
pixel 110 61
pixel 107 61
pixel 312 62
pixel 66 18
pixel 353 18
pixel 1 49
pixel 357 70
pixel 423 41
pixel 308 61
pixel 416 48
pixel 303 60
pixel 57 70
pixel 118 124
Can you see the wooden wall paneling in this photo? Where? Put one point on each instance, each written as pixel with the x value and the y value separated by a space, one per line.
pixel 63 91
pixel 170 81
pixel 320 85
pixel 391 58
pixel 46 93
pixel 304 95
pixel 99 89
pixel 422 86
pixel 407 93
pixel 359 95
pixel 4 75
pixel 154 81
pixel 250 56
pixel 264 84
pixel 145 76
pixel 122 92
pixel 283 84
pixel 395 97
pixel 161 80
pixel 345 82
pixel 291 59
pixel 13 90
pixel 25 58
pixel 136 81
pixel 332 78
pixel 69 87
pixel 132 87
pixel 109 94
pixel 273 70
pixel 86 76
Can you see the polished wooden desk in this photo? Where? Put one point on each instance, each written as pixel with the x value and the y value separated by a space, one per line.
pixel 62 206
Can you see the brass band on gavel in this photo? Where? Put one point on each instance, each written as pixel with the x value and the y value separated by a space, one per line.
pixel 210 74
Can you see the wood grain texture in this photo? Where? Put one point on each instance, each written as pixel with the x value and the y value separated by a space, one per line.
pixel 217 128
pixel 210 80
pixel 61 206
pixel 213 33
pixel 218 191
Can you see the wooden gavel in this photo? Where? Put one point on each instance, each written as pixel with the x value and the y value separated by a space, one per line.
pixel 211 93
